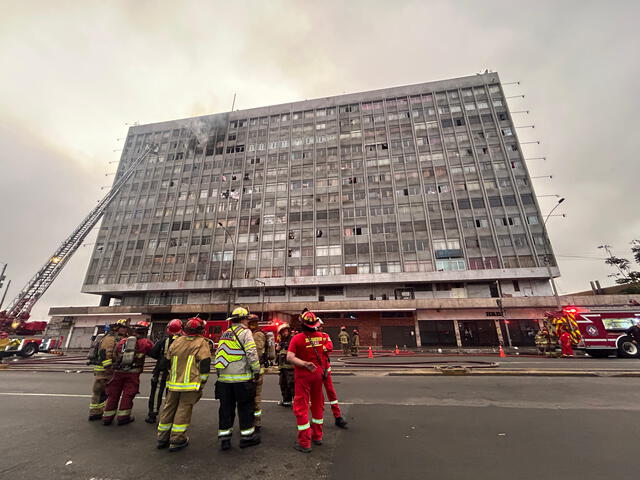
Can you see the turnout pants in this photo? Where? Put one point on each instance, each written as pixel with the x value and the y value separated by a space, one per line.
pixel 346 350
pixel 287 384
pixel 257 403
pixel 308 388
pixel 122 388
pixel 158 385
pixel 176 416
pixel 332 396
pixel 98 393
pixel 238 395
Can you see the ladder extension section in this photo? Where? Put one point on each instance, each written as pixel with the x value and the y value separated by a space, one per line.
pixel 21 306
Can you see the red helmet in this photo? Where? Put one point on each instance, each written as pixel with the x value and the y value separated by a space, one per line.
pixel 174 327
pixel 309 319
pixel 194 325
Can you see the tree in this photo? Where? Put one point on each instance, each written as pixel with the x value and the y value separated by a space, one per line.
pixel 625 275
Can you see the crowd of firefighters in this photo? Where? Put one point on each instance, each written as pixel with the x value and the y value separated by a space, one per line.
pixel 185 359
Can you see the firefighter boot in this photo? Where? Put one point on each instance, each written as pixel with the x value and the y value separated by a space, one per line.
pixel 302 449
pixel 174 447
pixel 151 418
pixel 162 444
pixel 97 416
pixel 249 441
pixel 225 444
pixel 126 420
pixel 341 422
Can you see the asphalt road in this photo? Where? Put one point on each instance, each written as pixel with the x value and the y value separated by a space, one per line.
pixel 401 428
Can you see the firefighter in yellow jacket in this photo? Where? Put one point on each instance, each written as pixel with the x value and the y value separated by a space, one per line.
pixel 103 369
pixel 190 360
pixel 266 354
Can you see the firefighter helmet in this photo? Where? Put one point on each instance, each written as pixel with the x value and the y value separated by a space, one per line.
pixel 141 327
pixel 194 325
pixel 253 318
pixel 174 327
pixel 240 312
pixel 309 319
pixel 123 322
pixel 284 326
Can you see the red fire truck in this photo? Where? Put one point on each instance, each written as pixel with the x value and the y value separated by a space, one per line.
pixel 600 332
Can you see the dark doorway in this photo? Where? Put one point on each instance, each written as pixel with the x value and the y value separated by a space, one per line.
pixel 437 333
pixel 522 331
pixel 401 336
pixel 478 333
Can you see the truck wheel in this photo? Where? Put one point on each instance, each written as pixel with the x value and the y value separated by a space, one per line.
pixel 626 348
pixel 30 349
pixel 599 353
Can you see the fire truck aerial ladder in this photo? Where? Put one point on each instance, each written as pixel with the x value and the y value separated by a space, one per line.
pixel 14 317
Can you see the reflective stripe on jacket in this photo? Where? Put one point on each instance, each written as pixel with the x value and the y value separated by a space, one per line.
pixel 233 362
pixel 185 354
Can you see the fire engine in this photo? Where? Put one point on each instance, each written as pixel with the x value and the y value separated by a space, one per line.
pixel 600 332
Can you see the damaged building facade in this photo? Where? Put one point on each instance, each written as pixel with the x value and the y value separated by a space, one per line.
pixel 382 210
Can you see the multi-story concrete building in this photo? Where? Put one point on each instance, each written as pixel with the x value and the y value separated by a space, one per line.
pixel 392 197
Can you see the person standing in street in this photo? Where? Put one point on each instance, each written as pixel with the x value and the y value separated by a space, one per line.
pixel 565 343
pixel 306 354
pixel 355 343
pixel 332 396
pixel 265 356
pixel 124 385
pixel 103 369
pixel 634 333
pixel 344 341
pixel 286 369
pixel 237 365
pixel 190 360
pixel 161 369
pixel 543 341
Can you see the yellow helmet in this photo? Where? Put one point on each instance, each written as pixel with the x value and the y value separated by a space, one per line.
pixel 123 321
pixel 240 312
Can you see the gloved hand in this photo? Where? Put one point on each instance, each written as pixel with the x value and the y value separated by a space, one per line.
pixel 256 377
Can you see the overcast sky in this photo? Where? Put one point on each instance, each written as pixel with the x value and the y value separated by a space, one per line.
pixel 74 73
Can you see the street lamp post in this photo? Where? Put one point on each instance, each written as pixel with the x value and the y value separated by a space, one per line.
pixel 548 260
pixel 262 286
pixel 233 262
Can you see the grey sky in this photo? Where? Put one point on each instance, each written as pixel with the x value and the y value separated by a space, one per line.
pixel 75 72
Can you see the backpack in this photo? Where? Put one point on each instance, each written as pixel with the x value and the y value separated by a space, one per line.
pixel 128 353
pixel 93 357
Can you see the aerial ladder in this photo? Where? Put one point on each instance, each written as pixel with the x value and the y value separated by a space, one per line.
pixel 14 318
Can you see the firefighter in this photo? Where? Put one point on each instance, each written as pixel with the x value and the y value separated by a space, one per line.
pixel 543 341
pixel 565 343
pixel 306 354
pixel 125 382
pixel 103 369
pixel 237 366
pixel 265 357
pixel 286 369
pixel 161 369
pixel 332 396
pixel 344 341
pixel 190 360
pixel 355 343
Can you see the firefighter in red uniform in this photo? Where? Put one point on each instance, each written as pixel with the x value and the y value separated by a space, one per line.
pixel 128 365
pixel 307 355
pixel 565 343
pixel 332 396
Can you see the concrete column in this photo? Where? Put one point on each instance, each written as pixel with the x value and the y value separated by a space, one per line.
pixel 66 345
pixel 456 327
pixel 417 329
pixel 499 331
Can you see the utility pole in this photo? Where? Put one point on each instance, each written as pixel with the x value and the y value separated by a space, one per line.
pixel 233 261
pixel 262 286
pixel 548 257
pixel 2 278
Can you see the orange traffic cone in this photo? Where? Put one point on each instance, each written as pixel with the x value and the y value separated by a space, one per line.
pixel 397 352
pixel 502 354
pixel 370 353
